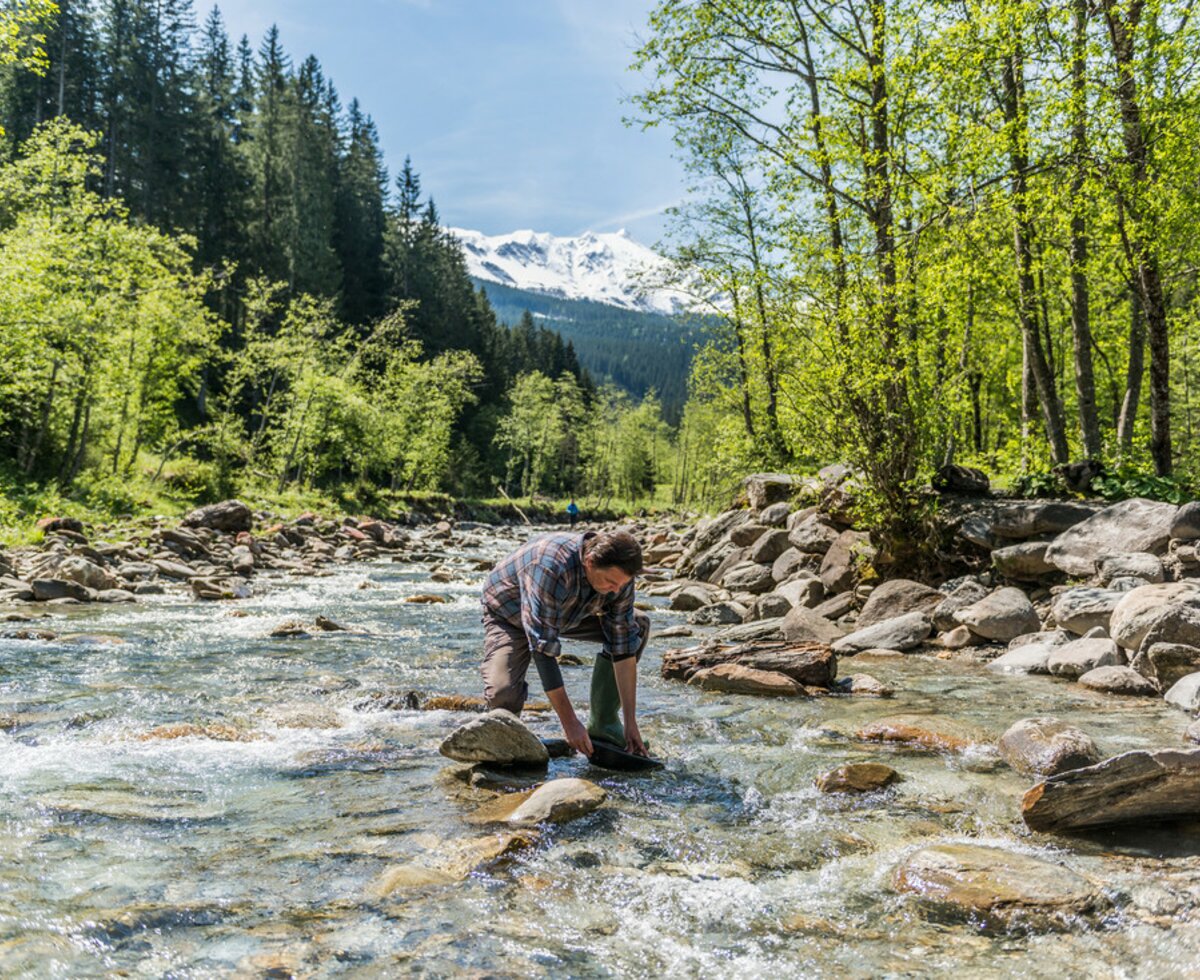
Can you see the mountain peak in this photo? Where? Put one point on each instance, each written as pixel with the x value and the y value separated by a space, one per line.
pixel 606 267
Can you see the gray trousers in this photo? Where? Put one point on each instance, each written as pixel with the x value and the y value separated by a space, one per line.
pixel 506 657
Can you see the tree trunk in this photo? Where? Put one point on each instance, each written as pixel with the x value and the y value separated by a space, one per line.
pixel 743 372
pixel 1133 376
pixel 1027 303
pixel 1081 328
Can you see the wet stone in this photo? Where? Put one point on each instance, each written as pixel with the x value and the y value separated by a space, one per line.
pixel 497 737
pixel 858 777
pixel 1045 746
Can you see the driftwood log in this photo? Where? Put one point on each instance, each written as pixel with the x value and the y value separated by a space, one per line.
pixel 1143 786
pixel 811 664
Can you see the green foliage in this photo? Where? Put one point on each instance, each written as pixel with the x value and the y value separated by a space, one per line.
pixel 1128 482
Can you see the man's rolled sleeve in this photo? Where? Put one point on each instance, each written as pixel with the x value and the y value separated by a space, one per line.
pixel 621 634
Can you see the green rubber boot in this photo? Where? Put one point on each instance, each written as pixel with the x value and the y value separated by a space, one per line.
pixel 604 709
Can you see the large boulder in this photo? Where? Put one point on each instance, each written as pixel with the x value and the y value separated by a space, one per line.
pixel 1185 694
pixel 813 535
pixel 1166 663
pixel 789 563
pixel 709 534
pixel 739 679
pixel 230 516
pixel 749 576
pixel 809 664
pixel 76 568
pixel 769 605
pixel 764 489
pixel 746 534
pixel 1032 658
pixel 1131 525
pixel 804 590
pixel 996 887
pixel 692 597
pixel 895 598
pixel 49 589
pixel 900 633
pixel 803 625
pixel 1133 564
pixel 776 515
pixel 1139 610
pixel 965 593
pixel 1083 609
pixel 769 546
pixel 1186 526
pixel 1141 787
pixel 1025 562
pixel 498 737
pixel 1003 615
pixel 718 614
pixel 1045 746
pixel 1118 680
pixel 840 567
pixel 1076 658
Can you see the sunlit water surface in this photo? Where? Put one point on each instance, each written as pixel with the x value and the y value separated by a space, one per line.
pixel 199 856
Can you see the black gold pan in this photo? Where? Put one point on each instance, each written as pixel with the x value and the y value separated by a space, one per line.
pixel 609 756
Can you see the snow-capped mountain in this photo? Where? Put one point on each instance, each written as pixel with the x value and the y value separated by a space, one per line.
pixel 607 268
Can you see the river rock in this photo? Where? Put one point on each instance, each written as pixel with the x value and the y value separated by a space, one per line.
pixel 802 625
pixel 692 597
pixel 52 589
pixel 769 547
pixel 922 732
pixel 405 877
pixel 1004 614
pixel 809 664
pixel 1166 663
pixel 1045 746
pixel 1118 680
pixel 1026 518
pixel 1131 525
pixel 1193 732
pixel 895 598
pixel 497 737
pixel 865 685
pixel 997 887
pixel 901 633
pixel 229 515
pixel 749 577
pixel 770 605
pixel 792 562
pixel 803 590
pixel 1185 693
pixel 1078 657
pixel 1031 658
pixel 813 535
pixel 1137 612
pixel 764 489
pixel 78 569
pixel 746 534
pixel 1140 786
pixel 465 857
pixel 1186 526
pixel 1083 609
pixel 775 515
pixel 835 607
pixel 857 777
pixel 558 801
pixel 1133 564
pixel 1025 562
pixel 115 595
pixel 718 614
pixel 737 679
pixel 840 566
pixel 757 632
pixel 965 593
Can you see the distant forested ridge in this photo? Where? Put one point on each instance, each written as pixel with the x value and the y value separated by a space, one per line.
pixel 639 351
pixel 208 269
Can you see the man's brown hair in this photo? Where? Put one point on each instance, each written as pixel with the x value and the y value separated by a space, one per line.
pixel 614 549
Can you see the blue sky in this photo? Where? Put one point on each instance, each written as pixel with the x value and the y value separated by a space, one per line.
pixel 510 109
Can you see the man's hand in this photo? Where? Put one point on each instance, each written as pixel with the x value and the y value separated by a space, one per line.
pixel 633 739
pixel 577 736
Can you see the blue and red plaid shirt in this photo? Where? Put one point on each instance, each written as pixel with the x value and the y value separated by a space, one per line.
pixel 541 588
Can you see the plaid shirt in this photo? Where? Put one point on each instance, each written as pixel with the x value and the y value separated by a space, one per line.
pixel 542 588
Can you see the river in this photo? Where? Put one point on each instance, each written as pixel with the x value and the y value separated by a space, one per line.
pixel 250 846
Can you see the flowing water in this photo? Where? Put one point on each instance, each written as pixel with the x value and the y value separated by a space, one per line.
pixel 125 852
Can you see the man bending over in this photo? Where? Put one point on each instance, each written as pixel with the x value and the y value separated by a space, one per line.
pixel 568 585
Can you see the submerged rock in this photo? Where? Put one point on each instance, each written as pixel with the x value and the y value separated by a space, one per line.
pixel 497 737
pixel 558 801
pixel 1045 746
pixel 999 887
pixel 922 732
pixel 857 777
pixel 1139 786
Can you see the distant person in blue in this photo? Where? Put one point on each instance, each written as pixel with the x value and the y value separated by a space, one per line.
pixel 572 512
